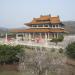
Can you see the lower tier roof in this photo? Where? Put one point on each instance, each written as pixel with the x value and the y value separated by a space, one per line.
pixel 38 30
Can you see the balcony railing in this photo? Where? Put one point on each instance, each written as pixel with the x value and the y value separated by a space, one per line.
pixel 49 27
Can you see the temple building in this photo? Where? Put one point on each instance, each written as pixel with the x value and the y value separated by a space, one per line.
pixel 45 27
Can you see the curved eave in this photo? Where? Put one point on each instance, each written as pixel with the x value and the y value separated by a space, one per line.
pixel 29 24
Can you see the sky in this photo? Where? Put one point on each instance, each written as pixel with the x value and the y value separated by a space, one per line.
pixel 14 13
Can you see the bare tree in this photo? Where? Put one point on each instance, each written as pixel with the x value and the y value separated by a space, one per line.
pixel 42 60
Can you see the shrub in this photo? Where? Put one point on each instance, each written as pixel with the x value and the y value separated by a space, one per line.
pixel 8 53
pixel 60 50
pixel 70 50
pixel 59 39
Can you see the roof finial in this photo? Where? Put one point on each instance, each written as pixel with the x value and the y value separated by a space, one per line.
pixel 41 15
pixel 34 18
pixel 58 16
pixel 50 15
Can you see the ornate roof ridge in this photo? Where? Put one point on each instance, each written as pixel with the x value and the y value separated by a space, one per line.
pixel 44 19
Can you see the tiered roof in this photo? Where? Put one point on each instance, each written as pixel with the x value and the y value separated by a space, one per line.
pixel 44 20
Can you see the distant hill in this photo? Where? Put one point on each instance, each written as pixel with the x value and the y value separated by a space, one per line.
pixel 71 23
pixel 3 30
pixel 70 26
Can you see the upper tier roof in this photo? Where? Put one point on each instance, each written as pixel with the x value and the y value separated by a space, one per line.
pixel 44 20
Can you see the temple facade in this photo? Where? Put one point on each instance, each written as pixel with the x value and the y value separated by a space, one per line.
pixel 45 27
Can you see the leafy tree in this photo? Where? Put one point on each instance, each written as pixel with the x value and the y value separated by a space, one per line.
pixel 70 50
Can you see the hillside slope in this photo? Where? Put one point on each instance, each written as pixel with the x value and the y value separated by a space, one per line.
pixel 70 26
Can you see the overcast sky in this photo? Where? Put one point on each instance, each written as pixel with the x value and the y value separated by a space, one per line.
pixel 14 13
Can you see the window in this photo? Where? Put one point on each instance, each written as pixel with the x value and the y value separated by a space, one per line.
pixel 50 25
pixel 53 26
pixel 56 26
pixel 40 25
pixel 45 25
pixel 34 26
